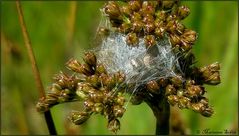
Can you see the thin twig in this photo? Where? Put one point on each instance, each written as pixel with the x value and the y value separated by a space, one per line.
pixel 48 117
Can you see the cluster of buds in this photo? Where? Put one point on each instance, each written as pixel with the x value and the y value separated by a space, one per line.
pixel 101 93
pixel 152 20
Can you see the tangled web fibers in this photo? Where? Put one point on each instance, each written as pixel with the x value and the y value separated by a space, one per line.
pixel 139 64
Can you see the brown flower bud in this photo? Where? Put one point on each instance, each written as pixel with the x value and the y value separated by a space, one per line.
pixel 132 39
pixel 90 59
pixel 86 70
pixel 41 106
pixel 113 125
pixel 153 87
pixel 97 96
pixel 125 9
pixel 56 88
pixel 159 32
pixel 118 111
pixel 198 107
pixel 170 90
pixel 149 40
pixel 134 5
pixel 163 82
pixel 81 95
pixel 79 118
pixel 112 10
pixel 173 99
pixel 183 12
pixel 84 87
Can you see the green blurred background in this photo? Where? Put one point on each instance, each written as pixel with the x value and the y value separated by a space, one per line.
pixel 62 30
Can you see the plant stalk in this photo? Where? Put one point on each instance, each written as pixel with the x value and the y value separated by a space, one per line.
pixel 161 110
pixel 48 116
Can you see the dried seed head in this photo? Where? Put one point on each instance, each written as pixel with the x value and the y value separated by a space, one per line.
pixel 207 112
pixel 173 99
pixel 73 65
pixel 189 36
pixel 168 4
pixel 183 102
pixel 211 74
pixel 195 91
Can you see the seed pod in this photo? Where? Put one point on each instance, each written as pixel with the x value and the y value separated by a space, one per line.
pixel 207 112
pixel 79 118
pixel 134 5
pixel 132 39
pixel 173 99
pixel 159 32
pixel 88 104
pixel 161 15
pixel 153 87
pixel 98 107
pixel 135 17
pixel 120 100
pixel 137 26
pixel 90 59
pixel 177 81
pixel 148 7
pixel 189 36
pixel 148 18
pixel 113 125
pixel 149 27
pixel 81 95
pixel 118 111
pixel 97 97
pixel 112 10
pixel 170 90
pixel 73 65
pixel 149 40
pixel 198 107
pixel 183 102
pixel 125 9
pixel 93 80
pixel 168 4
pixel 174 39
pixel 183 12
pixel 86 70
pixel 195 91
pixel 100 68
pixel 211 74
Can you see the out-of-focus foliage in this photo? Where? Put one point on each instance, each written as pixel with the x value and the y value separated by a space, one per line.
pixel 50 28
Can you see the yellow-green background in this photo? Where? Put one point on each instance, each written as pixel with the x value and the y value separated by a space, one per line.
pixel 49 25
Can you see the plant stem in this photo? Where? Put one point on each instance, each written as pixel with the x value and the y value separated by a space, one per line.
pixel 48 117
pixel 161 110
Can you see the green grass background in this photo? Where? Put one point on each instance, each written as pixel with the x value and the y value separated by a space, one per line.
pixel 48 25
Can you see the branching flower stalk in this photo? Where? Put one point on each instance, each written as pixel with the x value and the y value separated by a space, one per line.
pixel 144 52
